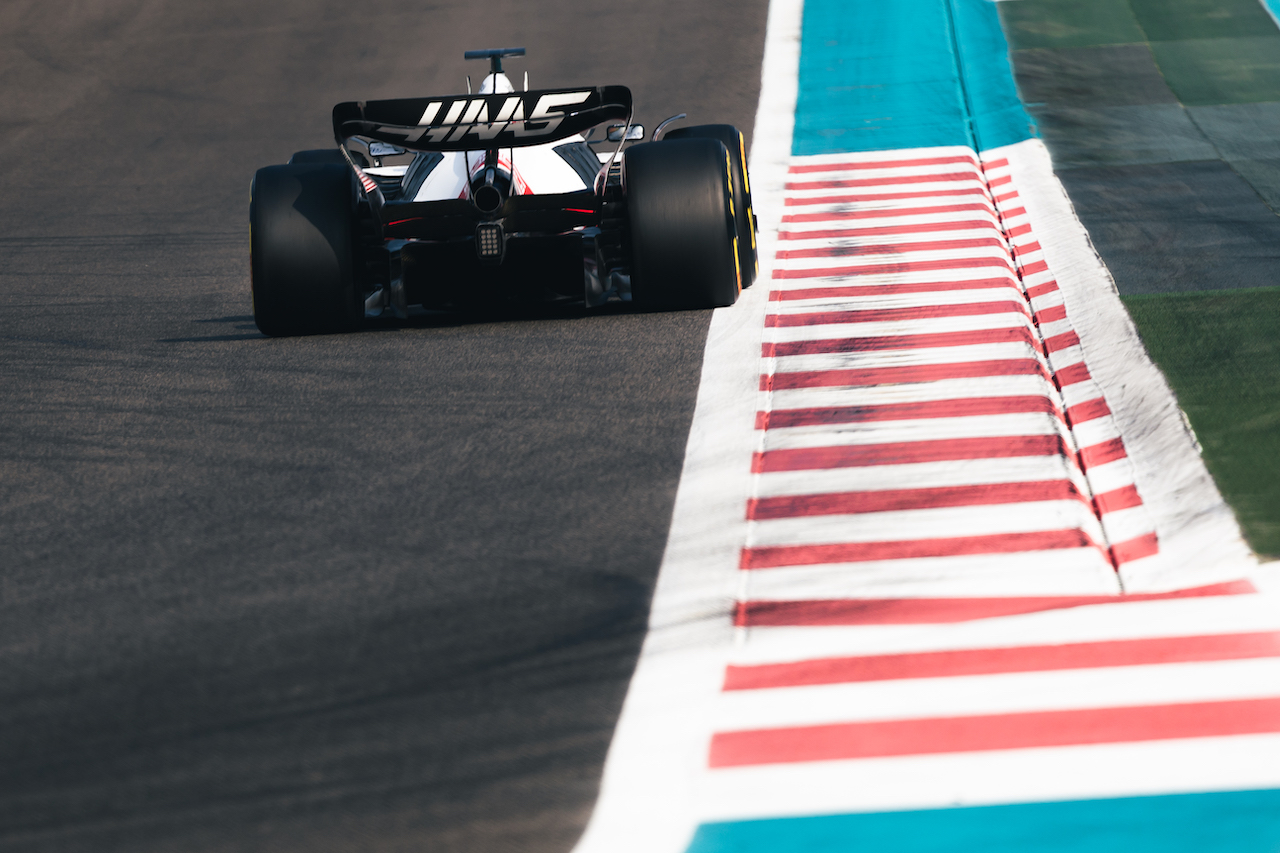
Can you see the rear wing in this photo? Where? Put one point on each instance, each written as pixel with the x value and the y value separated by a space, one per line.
pixel 475 122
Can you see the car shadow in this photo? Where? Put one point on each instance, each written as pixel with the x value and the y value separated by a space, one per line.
pixel 425 319
pixel 429 319
pixel 212 339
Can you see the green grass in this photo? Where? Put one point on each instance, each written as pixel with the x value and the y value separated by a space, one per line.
pixel 1209 51
pixel 1222 70
pixel 1069 23
pixel 1220 350
pixel 1221 353
pixel 1171 20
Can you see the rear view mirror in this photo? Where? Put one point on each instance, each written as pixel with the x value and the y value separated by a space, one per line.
pixel 382 149
pixel 634 132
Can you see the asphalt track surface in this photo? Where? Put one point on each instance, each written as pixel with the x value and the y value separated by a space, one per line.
pixel 381 591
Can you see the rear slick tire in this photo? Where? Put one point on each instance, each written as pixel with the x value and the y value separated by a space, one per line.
pixel 301 250
pixel 318 155
pixel 748 253
pixel 683 237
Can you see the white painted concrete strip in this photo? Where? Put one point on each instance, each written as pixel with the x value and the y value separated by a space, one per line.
pixel 1094 623
pixel 1200 541
pixel 931 429
pixel 1003 293
pixel 902 358
pixel 969 472
pixel 912 524
pixel 916 392
pixel 1002 693
pixel 1008 776
pixel 1069 571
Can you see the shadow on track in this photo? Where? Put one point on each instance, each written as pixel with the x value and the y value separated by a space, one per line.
pixel 433 320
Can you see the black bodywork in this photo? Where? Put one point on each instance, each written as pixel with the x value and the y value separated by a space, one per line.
pixel 553 246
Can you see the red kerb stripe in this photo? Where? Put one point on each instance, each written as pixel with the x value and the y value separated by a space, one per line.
pixel 1035 267
pixel 874 315
pixel 879 164
pixel 995 731
pixel 922 228
pixel 1101 454
pixel 1019 230
pixel 888 289
pixel 899 267
pixel 907 549
pixel 1071 374
pixel 1041 289
pixel 896 180
pixel 1003 162
pixel 897 375
pixel 906 453
pixel 867 198
pixel 882 214
pixel 892 342
pixel 892 248
pixel 1125 497
pixel 895 500
pixel 1061 342
pixel 1052 314
pixel 1089 411
pixel 1135 549
pixel 960 662
pixel 933 611
pixel 965 407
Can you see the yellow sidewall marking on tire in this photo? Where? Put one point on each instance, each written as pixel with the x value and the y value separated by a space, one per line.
pixel 733 217
pixel 732 214
pixel 746 189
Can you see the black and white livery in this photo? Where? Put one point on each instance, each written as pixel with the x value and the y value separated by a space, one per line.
pixel 468 201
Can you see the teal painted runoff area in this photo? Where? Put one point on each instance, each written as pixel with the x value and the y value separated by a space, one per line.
pixel 876 75
pixel 1272 6
pixel 1221 822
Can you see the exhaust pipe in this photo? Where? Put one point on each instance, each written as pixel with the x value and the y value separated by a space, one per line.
pixel 487 197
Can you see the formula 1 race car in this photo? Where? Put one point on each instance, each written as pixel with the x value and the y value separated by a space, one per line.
pixel 476 200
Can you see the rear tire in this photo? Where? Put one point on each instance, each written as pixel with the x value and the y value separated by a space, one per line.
pixel 683 237
pixel 300 230
pixel 731 137
pixel 331 156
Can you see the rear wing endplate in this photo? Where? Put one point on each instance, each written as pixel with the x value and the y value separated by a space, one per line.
pixel 476 122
